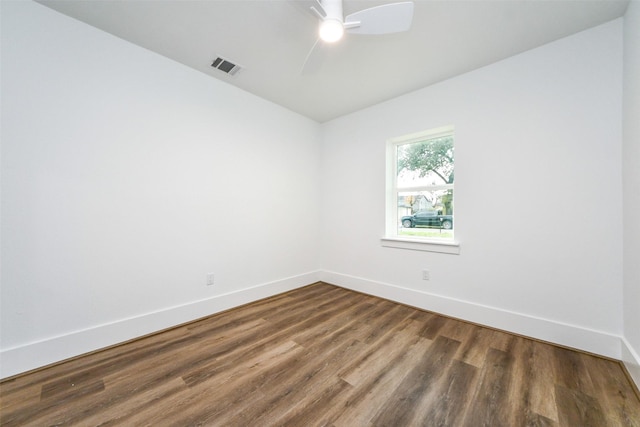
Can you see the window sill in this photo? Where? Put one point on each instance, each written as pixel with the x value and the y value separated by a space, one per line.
pixel 421 245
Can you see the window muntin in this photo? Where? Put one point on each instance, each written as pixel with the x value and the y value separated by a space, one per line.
pixel 420 186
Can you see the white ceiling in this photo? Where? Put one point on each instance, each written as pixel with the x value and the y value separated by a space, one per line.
pixel 270 39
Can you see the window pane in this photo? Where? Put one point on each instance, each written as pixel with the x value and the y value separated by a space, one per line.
pixel 425 163
pixel 427 213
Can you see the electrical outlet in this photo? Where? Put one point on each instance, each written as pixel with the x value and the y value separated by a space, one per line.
pixel 426 275
pixel 209 279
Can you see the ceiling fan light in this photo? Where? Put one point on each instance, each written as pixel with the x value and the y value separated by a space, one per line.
pixel 331 30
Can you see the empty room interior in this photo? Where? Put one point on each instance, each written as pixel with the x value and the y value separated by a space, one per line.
pixel 206 219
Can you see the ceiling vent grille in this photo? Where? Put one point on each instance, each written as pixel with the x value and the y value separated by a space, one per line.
pixel 225 66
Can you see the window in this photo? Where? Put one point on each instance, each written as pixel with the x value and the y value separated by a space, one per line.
pixel 420 180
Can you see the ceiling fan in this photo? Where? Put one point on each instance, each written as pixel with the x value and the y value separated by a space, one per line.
pixel 384 19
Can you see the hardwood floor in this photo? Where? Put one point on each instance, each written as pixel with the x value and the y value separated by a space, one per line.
pixel 325 356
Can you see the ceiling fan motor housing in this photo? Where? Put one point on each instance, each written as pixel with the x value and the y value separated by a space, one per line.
pixel 331 27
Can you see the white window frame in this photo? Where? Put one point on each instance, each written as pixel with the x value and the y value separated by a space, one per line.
pixel 391 238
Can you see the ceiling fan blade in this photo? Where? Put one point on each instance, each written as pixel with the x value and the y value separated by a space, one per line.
pixel 315 58
pixel 385 19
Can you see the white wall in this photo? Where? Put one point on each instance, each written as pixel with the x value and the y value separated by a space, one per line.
pixel 127 177
pixel 631 186
pixel 538 195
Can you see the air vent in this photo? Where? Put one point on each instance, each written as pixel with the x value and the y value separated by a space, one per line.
pixel 225 66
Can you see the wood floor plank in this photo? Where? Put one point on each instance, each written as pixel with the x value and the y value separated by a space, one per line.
pixel 368 396
pixel 570 370
pixel 475 345
pixel 432 326
pixel 284 387
pixel 541 379
pixel 490 403
pixel 311 409
pixel 16 398
pixel 376 356
pixel 374 319
pixel 501 340
pixel 326 356
pixel 140 408
pixel 529 397
pixel 222 395
pixel 324 326
pixel 402 406
pixel 164 366
pixel 140 377
pixel 576 408
pixel 618 397
pixel 386 322
pixel 278 382
pixel 446 403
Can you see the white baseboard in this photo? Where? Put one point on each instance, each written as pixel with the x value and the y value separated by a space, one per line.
pixel 589 340
pixel 631 361
pixel 34 355
pixel 38 354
